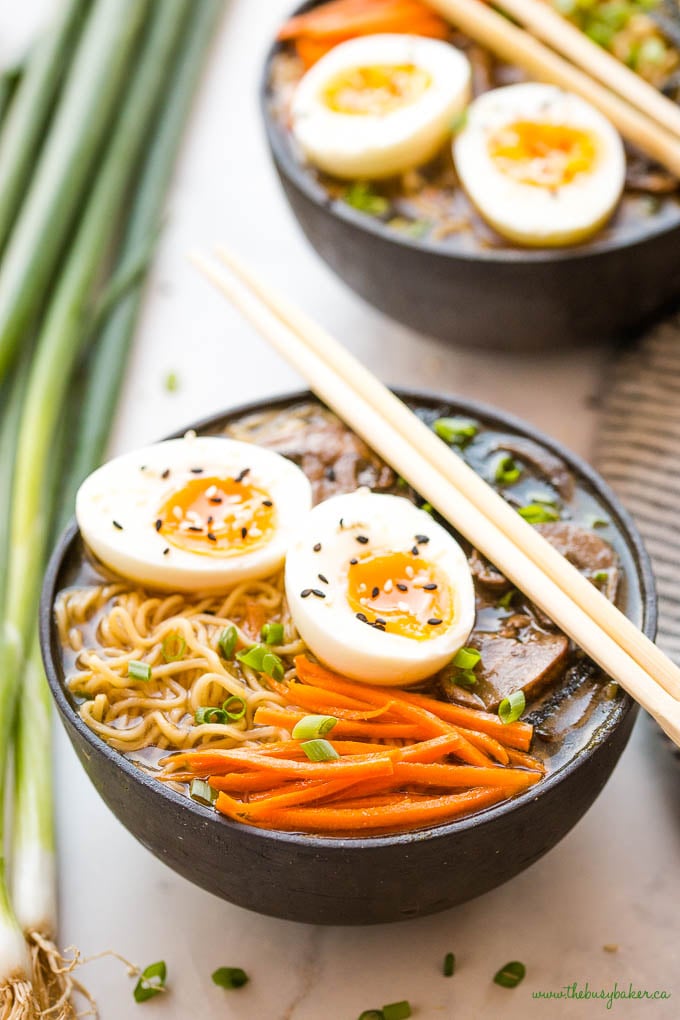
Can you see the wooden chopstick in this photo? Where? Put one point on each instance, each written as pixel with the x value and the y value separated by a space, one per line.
pixel 484 498
pixel 546 23
pixel 516 46
pixel 339 393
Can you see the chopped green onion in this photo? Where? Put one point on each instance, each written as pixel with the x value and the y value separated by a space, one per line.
pixel 594 521
pixel 172 382
pixel 273 666
pixel 313 726
pixel 465 678
pixel 459 121
pixel 510 975
pixel 601 577
pixel 272 633
pixel 363 197
pixel 372 1014
pixel 210 714
pixel 505 601
pixel 202 792
pixel 456 431
pixel 253 656
pixel 151 981
pixel 538 513
pixel 227 642
pixel 139 670
pixel 466 658
pixel 319 750
pixel 230 977
pixel 174 647
pixel 511 708
pixel 449 965
pixel 428 508
pixel 234 708
pixel 397 1010
pixel 506 471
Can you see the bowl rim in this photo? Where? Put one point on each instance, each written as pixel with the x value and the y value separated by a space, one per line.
pixel 204 814
pixel 297 175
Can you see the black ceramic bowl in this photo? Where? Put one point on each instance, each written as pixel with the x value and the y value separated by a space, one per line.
pixel 367 879
pixel 512 298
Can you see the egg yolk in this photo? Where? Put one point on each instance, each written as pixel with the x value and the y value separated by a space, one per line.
pixel 400 593
pixel 542 154
pixel 217 516
pixel 376 90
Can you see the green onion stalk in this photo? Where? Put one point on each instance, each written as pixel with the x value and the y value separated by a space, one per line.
pixel 62 178
pixel 32 103
pixel 33 847
pixel 58 347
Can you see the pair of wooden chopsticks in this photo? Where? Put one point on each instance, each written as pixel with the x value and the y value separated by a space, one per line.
pixel 459 494
pixel 641 113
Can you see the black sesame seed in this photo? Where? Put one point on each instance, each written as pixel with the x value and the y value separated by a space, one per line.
pixel 342 522
pixel 211 537
pixel 380 621
pixel 117 525
pixel 166 550
pixel 375 593
pixel 362 617
pixel 196 471
pixel 194 527
pixel 305 593
pixel 166 473
pixel 330 474
pixel 415 550
pixel 362 539
pixel 210 520
pixel 215 499
pixel 322 577
pixel 353 561
pixel 159 524
pixel 319 594
pixel 267 502
pixel 402 587
pixel 244 532
pixel 242 475
pixel 422 539
pixel 378 626
pixel 434 622
pixel 429 587
pixel 317 547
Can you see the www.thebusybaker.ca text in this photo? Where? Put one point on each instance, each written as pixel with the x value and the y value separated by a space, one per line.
pixel 607 995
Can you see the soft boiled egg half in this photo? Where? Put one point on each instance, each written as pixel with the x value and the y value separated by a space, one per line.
pixel 377 589
pixel 193 514
pixel 380 104
pixel 541 165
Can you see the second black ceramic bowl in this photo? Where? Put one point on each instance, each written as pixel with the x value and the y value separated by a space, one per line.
pixel 512 298
pixel 363 880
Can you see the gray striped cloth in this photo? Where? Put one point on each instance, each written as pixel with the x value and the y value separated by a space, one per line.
pixel 638 452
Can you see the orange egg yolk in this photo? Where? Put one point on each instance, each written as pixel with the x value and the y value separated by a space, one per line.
pixel 542 154
pixel 376 90
pixel 217 517
pixel 400 593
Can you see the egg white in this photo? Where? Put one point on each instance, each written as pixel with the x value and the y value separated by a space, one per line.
pixel 131 489
pixel 375 146
pixel 526 213
pixel 329 625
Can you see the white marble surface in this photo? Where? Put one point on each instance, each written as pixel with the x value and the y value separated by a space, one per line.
pixel 613 880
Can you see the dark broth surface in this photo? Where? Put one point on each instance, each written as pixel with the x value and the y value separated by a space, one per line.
pixel 578 700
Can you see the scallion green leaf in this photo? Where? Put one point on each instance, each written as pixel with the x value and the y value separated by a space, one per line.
pixel 230 977
pixel 234 708
pixel 456 431
pixel 506 471
pixel 464 678
pixel 139 670
pixel 466 658
pixel 172 382
pixel 227 642
pixel 449 965
pixel 397 1010
pixel 511 708
pixel 272 633
pixel 510 975
pixel 363 196
pixel 202 792
pixel 601 577
pixel 313 726
pixel 253 656
pixel 538 513
pixel 273 666
pixel 319 750
pixel 210 714
pixel 174 647
pixel 505 601
pixel 372 1014
pixel 151 981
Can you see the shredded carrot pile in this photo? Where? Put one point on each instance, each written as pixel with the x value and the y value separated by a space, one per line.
pixel 319 30
pixel 451 761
